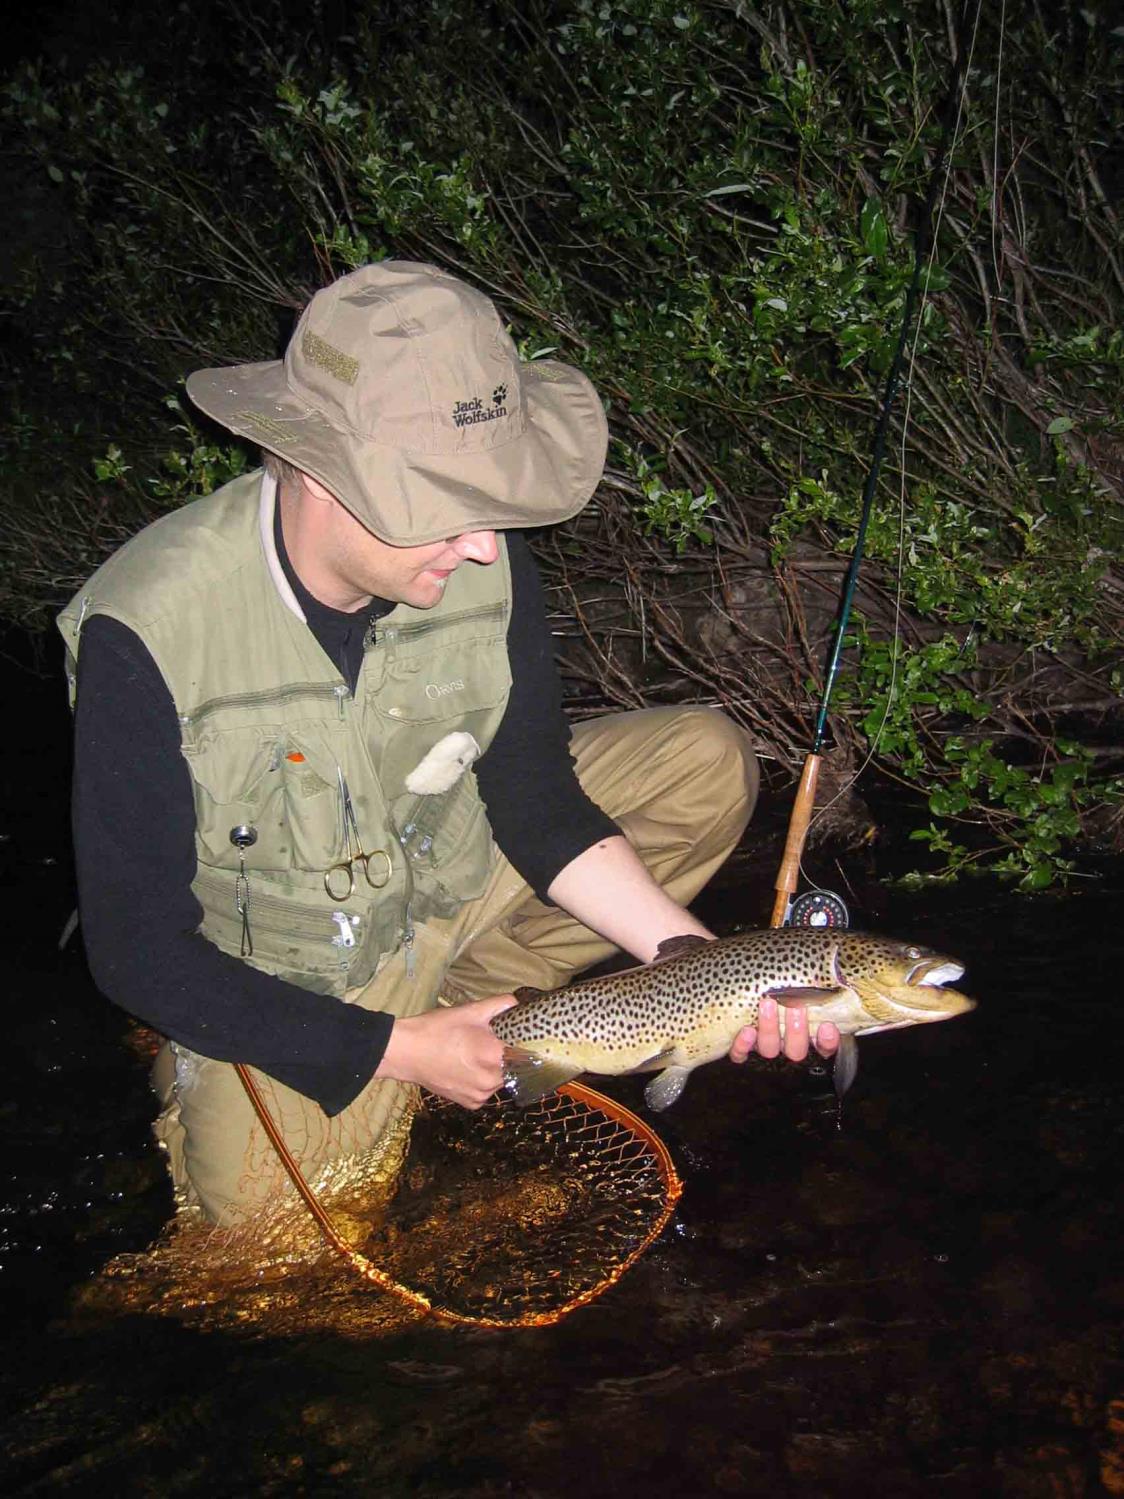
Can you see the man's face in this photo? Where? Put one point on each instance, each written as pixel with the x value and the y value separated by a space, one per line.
pixel 345 565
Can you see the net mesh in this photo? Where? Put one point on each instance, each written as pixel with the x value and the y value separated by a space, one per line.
pixel 506 1217
pixel 516 1216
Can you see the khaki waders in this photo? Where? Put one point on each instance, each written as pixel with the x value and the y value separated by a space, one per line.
pixel 681 784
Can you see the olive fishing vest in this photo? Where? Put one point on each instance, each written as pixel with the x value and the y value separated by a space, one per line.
pixel 271 735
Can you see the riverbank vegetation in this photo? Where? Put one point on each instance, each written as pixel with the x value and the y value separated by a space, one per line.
pixel 711 208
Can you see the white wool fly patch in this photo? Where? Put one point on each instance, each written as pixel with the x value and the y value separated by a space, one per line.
pixel 443 765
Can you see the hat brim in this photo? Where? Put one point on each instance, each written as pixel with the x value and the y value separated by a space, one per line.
pixel 544 475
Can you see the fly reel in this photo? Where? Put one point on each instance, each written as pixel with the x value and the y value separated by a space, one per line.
pixel 819 908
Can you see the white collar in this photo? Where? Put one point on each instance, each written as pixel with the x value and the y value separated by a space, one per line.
pixel 266 506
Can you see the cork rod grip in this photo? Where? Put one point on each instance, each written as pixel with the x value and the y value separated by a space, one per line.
pixel 802 806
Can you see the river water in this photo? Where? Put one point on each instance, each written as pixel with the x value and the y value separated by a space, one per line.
pixel 922 1297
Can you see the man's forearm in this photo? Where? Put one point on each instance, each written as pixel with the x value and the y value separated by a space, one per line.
pixel 608 888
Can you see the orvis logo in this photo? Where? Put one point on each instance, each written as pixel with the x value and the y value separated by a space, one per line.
pixel 443 689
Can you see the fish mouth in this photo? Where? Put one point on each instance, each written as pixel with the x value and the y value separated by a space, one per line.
pixel 909 990
pixel 933 972
pixel 927 970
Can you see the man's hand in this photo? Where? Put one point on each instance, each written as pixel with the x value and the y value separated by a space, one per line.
pixel 766 1035
pixel 451 1052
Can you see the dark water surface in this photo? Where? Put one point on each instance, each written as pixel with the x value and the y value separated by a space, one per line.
pixel 924 1301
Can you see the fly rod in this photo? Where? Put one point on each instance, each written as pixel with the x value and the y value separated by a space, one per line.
pixel 804 800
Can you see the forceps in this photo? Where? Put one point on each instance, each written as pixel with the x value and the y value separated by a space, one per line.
pixel 339 880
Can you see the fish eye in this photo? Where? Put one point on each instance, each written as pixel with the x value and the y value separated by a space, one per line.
pixel 913 952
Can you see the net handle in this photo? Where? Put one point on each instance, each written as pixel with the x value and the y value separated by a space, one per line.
pixel 358 1261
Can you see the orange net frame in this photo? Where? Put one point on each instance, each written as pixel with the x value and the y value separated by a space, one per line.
pixel 508 1217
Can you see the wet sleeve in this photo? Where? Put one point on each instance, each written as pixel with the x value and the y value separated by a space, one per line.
pixel 540 816
pixel 134 838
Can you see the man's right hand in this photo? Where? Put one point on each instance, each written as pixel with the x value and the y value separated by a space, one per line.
pixel 454 1052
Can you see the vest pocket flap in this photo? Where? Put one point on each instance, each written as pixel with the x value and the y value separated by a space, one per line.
pixel 261 777
pixel 231 767
pixel 447 684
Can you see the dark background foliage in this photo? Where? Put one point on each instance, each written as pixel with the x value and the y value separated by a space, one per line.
pixel 712 209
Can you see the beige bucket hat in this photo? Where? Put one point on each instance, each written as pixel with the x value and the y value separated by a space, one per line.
pixel 403 394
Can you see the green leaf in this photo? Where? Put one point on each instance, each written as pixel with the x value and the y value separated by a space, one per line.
pixel 872 226
pixel 1065 776
pixel 1059 425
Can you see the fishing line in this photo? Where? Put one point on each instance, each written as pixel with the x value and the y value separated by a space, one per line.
pixel 995 198
pixel 927 239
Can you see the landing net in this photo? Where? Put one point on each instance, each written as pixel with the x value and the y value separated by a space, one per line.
pixel 511 1216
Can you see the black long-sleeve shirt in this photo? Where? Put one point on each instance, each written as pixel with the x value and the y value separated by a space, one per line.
pixel 134 835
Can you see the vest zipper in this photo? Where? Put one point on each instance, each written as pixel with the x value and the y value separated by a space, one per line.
pixel 274 698
pixel 386 639
pixel 408 932
pixel 408 942
pixel 345 936
pixel 408 911
pixel 280 915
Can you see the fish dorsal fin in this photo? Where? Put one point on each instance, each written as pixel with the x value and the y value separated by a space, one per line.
pixel 796 998
pixel 672 947
pixel 524 994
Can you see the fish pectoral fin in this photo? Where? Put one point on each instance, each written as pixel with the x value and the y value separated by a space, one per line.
pixel 652 1063
pixel 671 947
pixel 527 1077
pixel 793 998
pixel 662 1091
pixel 846 1064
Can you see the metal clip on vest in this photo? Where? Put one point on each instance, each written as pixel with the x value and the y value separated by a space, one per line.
pixel 243 837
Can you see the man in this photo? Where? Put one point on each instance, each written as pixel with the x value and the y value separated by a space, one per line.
pixel 323 777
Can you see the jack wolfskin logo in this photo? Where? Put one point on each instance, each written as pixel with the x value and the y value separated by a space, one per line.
pixel 468 413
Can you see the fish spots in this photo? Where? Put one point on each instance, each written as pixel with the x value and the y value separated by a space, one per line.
pixel 691 1005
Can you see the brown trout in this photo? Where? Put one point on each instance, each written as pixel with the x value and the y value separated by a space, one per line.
pixel 685 1008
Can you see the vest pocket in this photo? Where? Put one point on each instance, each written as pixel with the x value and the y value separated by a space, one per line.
pixel 448 842
pixel 432 686
pixel 298 935
pixel 262 777
pixel 465 858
